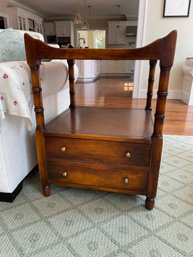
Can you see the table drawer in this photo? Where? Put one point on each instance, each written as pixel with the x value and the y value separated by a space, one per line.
pixel 134 180
pixel 98 151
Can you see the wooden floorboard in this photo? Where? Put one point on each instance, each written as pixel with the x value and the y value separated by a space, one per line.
pixel 114 92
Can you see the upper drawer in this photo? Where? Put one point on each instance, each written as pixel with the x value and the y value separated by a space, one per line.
pixel 108 152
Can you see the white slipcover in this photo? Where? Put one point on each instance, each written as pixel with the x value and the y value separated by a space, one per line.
pixel 17 141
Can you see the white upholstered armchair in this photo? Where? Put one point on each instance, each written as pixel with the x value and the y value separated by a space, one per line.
pixel 17 123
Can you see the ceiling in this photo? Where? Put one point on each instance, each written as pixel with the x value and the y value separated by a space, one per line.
pixel 68 8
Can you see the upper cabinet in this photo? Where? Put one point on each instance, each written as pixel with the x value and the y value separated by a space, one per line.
pixel 49 28
pixel 24 20
pixel 64 28
pixel 122 33
pixel 64 32
pixel 60 32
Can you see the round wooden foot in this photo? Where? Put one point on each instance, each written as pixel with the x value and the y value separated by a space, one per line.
pixel 46 191
pixel 149 203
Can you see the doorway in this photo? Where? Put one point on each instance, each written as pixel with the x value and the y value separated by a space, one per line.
pixel 2 22
pixel 132 84
pixel 139 43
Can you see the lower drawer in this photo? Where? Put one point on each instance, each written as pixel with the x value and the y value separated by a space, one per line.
pixel 96 176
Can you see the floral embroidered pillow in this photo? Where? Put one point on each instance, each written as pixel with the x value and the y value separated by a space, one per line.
pixel 11 46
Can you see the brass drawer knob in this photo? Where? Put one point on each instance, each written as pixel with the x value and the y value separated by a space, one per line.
pixel 126 180
pixel 63 149
pixel 128 155
pixel 65 174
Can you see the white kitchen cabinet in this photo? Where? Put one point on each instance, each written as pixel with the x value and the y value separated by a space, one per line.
pixel 24 20
pixel 117 67
pixel 117 33
pixel 88 70
pixel 49 29
pixel 64 28
pixel 18 18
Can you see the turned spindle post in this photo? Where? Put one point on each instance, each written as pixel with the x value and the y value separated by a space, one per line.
pixel 71 82
pixel 40 127
pixel 152 64
pixel 157 137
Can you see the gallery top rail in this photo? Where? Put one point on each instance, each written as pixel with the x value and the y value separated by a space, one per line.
pixel 162 49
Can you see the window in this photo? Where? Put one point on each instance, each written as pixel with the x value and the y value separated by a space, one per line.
pixel 91 38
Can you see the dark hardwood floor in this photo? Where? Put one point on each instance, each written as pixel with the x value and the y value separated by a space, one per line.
pixel 114 92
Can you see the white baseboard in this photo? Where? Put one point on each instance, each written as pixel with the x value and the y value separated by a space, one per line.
pixel 105 75
pixel 186 98
pixel 116 75
pixel 88 79
pixel 172 94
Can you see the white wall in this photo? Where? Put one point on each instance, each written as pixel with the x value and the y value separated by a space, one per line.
pixel 3 5
pixel 155 27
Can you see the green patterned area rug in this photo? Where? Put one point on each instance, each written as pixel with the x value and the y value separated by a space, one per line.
pixel 84 223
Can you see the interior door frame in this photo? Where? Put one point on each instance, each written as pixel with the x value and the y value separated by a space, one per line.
pixel 6 19
pixel 140 42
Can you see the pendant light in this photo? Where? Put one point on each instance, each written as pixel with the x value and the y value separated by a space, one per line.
pixel 79 20
pixel 85 22
pixel 118 27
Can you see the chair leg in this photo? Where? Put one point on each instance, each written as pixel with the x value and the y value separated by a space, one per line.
pixel 46 190
pixel 149 203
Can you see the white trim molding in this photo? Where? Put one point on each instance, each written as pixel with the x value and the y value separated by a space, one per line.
pixel 140 41
pixel 172 94
pixel 187 89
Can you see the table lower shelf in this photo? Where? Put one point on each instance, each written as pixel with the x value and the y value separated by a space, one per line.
pixel 119 124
